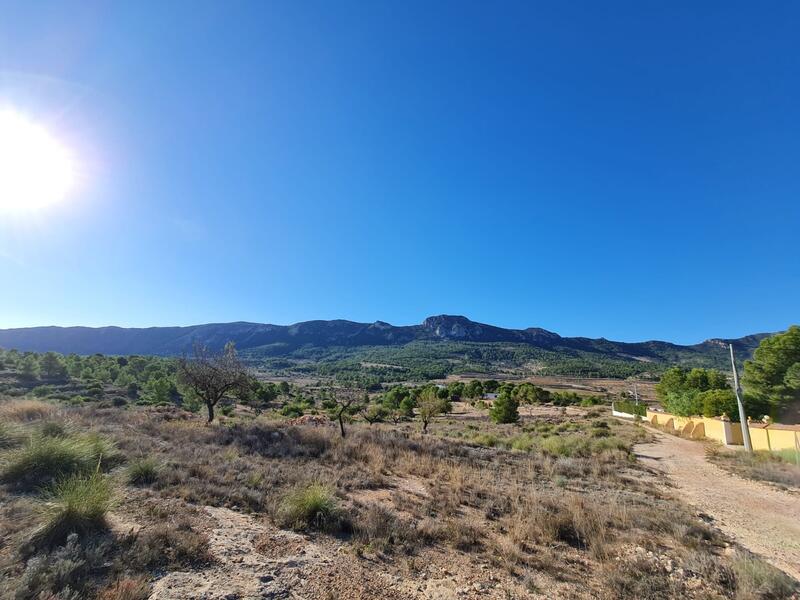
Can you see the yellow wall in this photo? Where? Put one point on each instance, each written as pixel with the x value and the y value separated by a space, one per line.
pixel 714 429
pixel 763 438
pixel 736 434
pixel 783 439
pixel 759 437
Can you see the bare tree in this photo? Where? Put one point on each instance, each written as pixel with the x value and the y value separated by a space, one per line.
pixel 341 404
pixel 213 375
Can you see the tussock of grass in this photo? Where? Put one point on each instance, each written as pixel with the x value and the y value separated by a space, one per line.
pixel 78 504
pixel 26 410
pixel 53 429
pixel 42 460
pixel 311 506
pixel 11 435
pixel 143 471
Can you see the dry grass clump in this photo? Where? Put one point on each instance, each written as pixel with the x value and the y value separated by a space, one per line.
pixel 775 467
pixel 126 589
pixel 639 579
pixel 758 580
pixel 569 519
pixel 167 545
pixel 378 528
pixel 26 410
pixel 77 504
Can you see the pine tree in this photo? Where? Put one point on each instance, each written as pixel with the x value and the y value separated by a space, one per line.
pixel 505 409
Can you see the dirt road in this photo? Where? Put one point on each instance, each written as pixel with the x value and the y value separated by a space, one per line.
pixel 761 518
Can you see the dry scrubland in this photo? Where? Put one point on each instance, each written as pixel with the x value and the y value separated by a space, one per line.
pixel 131 503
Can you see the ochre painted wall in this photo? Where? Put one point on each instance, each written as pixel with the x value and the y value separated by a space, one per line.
pixel 763 437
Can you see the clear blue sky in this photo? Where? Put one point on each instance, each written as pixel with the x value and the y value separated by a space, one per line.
pixel 622 169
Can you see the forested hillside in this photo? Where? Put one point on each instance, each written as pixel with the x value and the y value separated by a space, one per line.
pixel 379 352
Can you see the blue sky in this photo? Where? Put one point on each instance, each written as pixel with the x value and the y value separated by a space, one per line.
pixel 621 169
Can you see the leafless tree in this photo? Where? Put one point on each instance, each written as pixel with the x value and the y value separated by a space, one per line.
pixel 213 375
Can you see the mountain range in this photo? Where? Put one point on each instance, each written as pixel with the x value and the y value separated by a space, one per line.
pixel 285 340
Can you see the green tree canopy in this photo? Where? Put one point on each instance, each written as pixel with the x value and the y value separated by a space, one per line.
pixel 773 375
pixel 505 409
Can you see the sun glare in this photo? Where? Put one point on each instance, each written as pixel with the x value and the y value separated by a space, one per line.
pixel 36 170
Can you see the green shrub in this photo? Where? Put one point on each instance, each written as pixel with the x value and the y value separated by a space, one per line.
pixel 62 574
pixel 77 504
pixel 293 410
pixel 716 402
pixel 42 391
pixel 631 408
pixel 312 506
pixel 143 471
pixel 592 401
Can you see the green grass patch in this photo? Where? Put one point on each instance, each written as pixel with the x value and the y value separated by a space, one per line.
pixel 42 460
pixel 575 445
pixel 312 506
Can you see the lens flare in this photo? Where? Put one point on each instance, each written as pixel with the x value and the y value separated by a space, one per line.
pixel 36 170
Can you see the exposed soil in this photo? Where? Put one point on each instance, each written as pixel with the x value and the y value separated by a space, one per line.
pixel 760 517
pixel 255 560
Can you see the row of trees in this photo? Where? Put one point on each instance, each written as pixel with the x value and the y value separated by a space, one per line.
pixel 771 381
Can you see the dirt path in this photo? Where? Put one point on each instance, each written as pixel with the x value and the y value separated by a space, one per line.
pixel 761 518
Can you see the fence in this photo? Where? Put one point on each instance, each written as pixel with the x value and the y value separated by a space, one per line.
pixel 764 436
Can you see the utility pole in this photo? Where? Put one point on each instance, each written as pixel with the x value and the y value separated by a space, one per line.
pixel 742 416
pixel 636 393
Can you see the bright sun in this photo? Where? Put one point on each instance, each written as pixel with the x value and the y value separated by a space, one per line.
pixel 36 170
